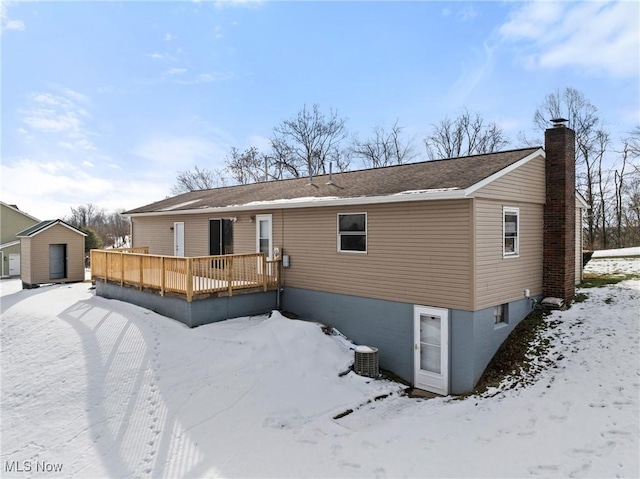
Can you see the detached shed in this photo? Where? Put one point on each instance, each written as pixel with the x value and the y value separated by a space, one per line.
pixel 51 251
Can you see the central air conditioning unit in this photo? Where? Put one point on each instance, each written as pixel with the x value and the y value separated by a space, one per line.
pixel 366 361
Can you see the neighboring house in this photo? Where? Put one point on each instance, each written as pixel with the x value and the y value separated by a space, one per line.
pixel 12 221
pixel 52 251
pixel 433 263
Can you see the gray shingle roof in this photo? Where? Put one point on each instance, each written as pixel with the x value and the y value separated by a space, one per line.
pixel 37 228
pixel 453 173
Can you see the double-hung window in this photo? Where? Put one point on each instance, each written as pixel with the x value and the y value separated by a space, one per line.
pixel 352 232
pixel 510 231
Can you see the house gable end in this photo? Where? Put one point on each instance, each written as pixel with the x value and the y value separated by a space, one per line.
pixel 43 226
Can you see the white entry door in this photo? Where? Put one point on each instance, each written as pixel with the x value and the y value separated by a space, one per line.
pixel 431 349
pixel 178 239
pixel 264 235
pixel 14 264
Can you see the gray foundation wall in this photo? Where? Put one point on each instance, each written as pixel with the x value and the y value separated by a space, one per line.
pixel 196 313
pixel 474 339
pixel 388 326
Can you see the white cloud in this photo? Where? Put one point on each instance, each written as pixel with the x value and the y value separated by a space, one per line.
pixel 169 37
pixel 237 3
pixel 600 38
pixel 7 23
pixel 205 78
pixel 155 56
pixel 13 25
pixel 176 71
pixel 60 112
pixel 182 152
pixel 467 13
pixel 57 185
pixel 463 13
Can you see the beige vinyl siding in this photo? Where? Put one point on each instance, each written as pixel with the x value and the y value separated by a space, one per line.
pixel 39 255
pixel 579 241
pixel 416 252
pixel 524 183
pixel 12 222
pixel 25 260
pixel 245 231
pixel 156 233
pixel 501 280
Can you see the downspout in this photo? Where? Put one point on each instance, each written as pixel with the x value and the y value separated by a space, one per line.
pixel 280 289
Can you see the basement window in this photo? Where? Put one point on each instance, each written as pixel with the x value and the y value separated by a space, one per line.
pixel 510 232
pixel 352 233
pixel 500 314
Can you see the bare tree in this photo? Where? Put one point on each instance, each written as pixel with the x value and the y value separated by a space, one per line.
pixel 468 134
pixel 383 148
pixel 110 229
pixel 583 118
pixel 601 145
pixel 627 192
pixel 247 166
pixel 86 216
pixel 281 160
pixel 198 179
pixel 119 228
pixel 306 143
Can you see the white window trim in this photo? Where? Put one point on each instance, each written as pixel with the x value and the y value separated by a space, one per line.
pixel 366 233
pixel 268 217
pixel 516 254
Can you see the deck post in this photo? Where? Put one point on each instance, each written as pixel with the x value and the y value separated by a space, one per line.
pixel 141 275
pixel 121 269
pixel 189 279
pixel 229 265
pixel 265 273
pixel 161 275
pixel 106 266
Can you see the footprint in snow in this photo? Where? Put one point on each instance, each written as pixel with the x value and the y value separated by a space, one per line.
pixel 543 469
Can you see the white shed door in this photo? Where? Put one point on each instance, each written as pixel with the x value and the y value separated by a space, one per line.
pixel 14 264
pixel 431 349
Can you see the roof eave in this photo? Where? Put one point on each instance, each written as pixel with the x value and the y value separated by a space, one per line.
pixel 283 204
pixel 9 244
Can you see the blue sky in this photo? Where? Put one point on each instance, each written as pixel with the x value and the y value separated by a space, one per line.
pixel 103 102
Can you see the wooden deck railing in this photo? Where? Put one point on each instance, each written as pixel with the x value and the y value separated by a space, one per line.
pixel 139 249
pixel 186 275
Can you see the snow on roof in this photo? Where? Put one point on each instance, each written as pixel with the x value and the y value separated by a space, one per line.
pixel 283 201
pixel 421 192
pixel 179 205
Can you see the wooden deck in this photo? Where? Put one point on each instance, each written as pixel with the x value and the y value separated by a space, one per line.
pixel 188 276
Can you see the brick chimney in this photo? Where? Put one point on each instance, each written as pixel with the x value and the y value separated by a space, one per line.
pixel 559 213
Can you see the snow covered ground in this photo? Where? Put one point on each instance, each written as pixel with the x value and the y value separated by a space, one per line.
pixel 620 252
pixel 612 264
pixel 101 388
